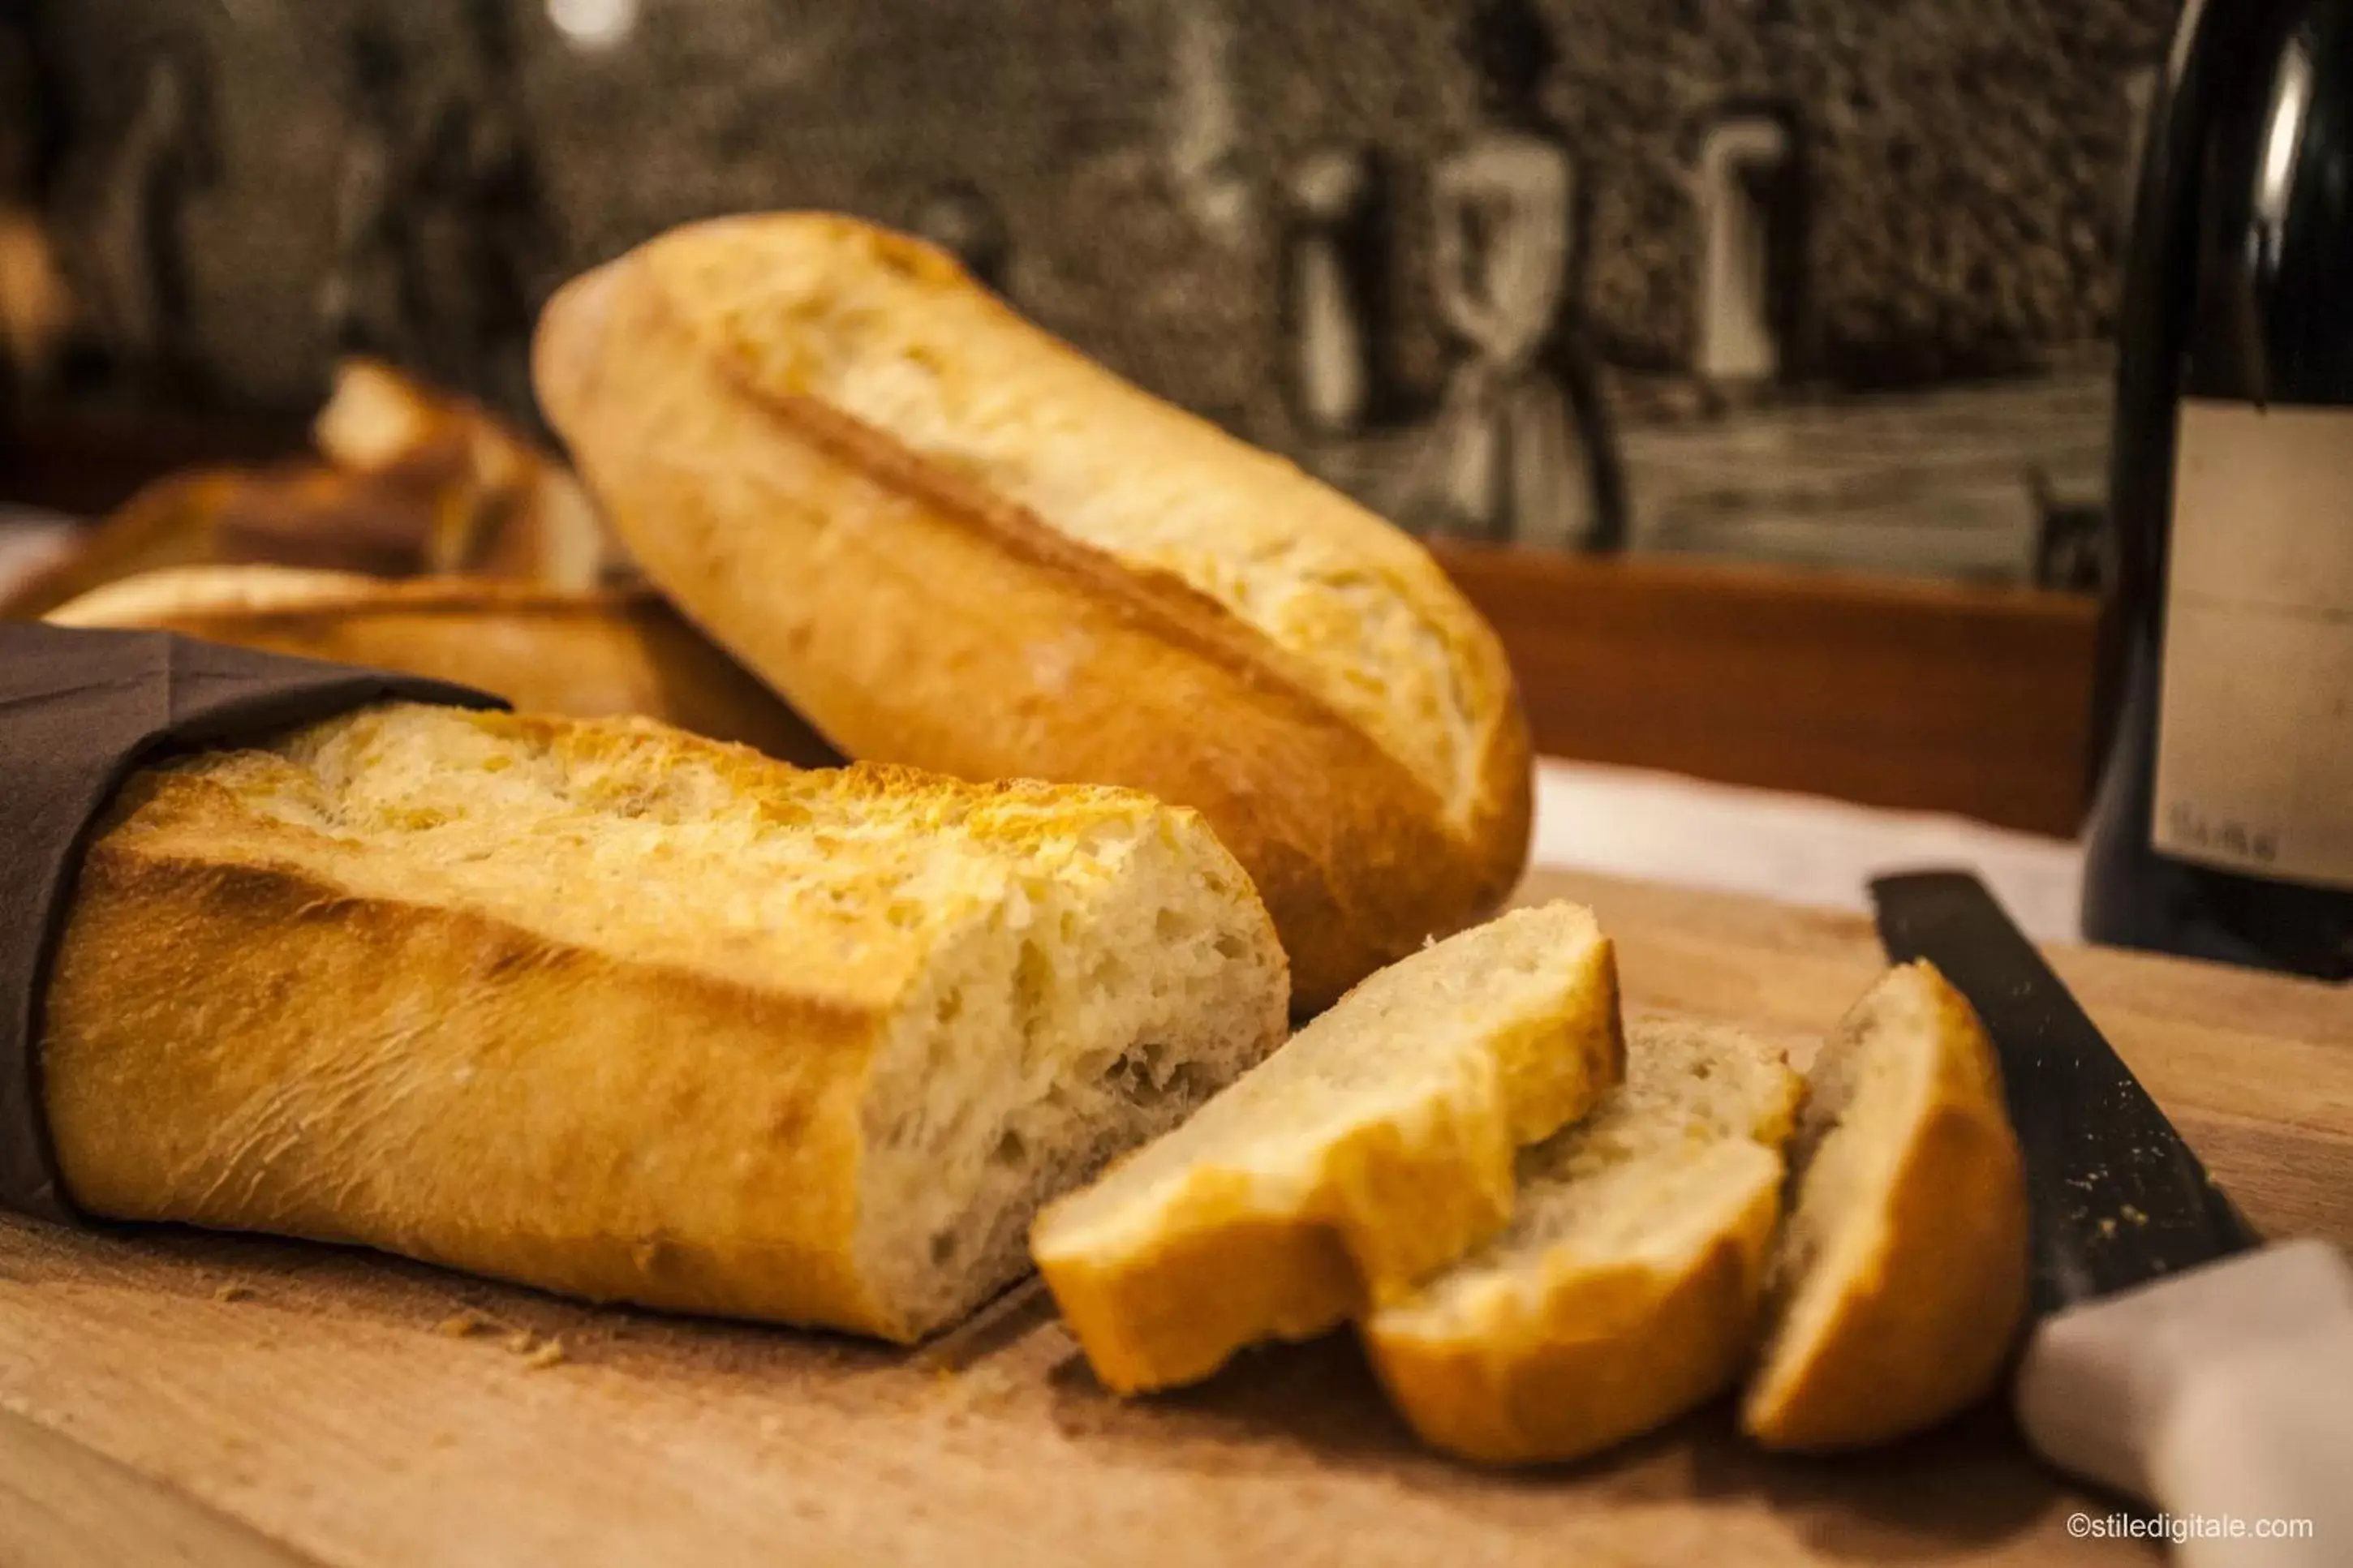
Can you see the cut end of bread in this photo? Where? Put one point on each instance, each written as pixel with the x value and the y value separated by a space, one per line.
pixel 1372 1149
pixel 1627 1287
pixel 890 1014
pixel 1083 1014
pixel 1900 1279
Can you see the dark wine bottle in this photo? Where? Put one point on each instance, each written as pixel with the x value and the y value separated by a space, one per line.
pixel 2224 822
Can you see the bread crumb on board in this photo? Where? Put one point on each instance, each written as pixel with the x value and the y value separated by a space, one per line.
pixel 233 1291
pixel 537 1353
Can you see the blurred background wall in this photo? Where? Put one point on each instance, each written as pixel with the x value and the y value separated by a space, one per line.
pixel 1816 280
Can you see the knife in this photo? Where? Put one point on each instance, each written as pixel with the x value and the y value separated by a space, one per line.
pixel 2174 1357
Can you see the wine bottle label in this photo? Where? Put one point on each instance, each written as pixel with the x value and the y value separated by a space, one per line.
pixel 2255 741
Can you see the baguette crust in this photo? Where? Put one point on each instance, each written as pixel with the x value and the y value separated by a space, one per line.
pixel 586 654
pixel 1591 1356
pixel 919 611
pixel 1922 1322
pixel 489 1166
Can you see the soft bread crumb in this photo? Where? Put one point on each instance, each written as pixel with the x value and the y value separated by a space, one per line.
pixel 545 1355
pixel 459 1325
pixel 233 1291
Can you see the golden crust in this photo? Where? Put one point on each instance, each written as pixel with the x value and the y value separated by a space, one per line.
pixel 1587 1357
pixel 918 615
pixel 1384 1207
pixel 479 1151
pixel 1923 1327
pixel 585 655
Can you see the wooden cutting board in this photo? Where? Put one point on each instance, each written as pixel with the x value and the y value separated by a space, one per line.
pixel 171 1396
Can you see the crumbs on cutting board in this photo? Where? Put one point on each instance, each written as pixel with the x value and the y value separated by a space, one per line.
pixel 537 1353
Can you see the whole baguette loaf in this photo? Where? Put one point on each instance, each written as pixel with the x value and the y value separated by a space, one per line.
pixel 584 655
pixel 1630 1285
pixel 1370 1151
pixel 612 1010
pixel 1900 1279
pixel 953 540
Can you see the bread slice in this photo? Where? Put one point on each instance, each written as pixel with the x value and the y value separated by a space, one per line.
pixel 584 655
pixel 952 540
pixel 1900 1279
pixel 606 1008
pixel 1372 1149
pixel 1628 1287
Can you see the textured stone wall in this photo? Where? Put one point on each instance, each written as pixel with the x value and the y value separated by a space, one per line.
pixel 1963 157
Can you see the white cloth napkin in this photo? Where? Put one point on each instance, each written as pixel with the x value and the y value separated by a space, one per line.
pixel 1800 850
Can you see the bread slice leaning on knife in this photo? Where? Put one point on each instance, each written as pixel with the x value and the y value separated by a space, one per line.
pixel 1900 1280
pixel 612 1010
pixel 584 654
pixel 955 542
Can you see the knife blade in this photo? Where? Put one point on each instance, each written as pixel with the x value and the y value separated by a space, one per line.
pixel 2116 1197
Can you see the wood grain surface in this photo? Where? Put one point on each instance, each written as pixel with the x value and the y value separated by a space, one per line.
pixel 177 1398
pixel 1884 691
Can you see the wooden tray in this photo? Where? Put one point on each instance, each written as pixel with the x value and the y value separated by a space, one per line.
pixel 172 1396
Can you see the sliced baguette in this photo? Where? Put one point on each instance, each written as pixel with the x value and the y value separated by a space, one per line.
pixel 589 655
pixel 612 1010
pixel 952 540
pixel 1371 1150
pixel 1900 1279
pixel 1628 1287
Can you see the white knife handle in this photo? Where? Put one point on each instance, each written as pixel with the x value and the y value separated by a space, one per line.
pixel 2222 1396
